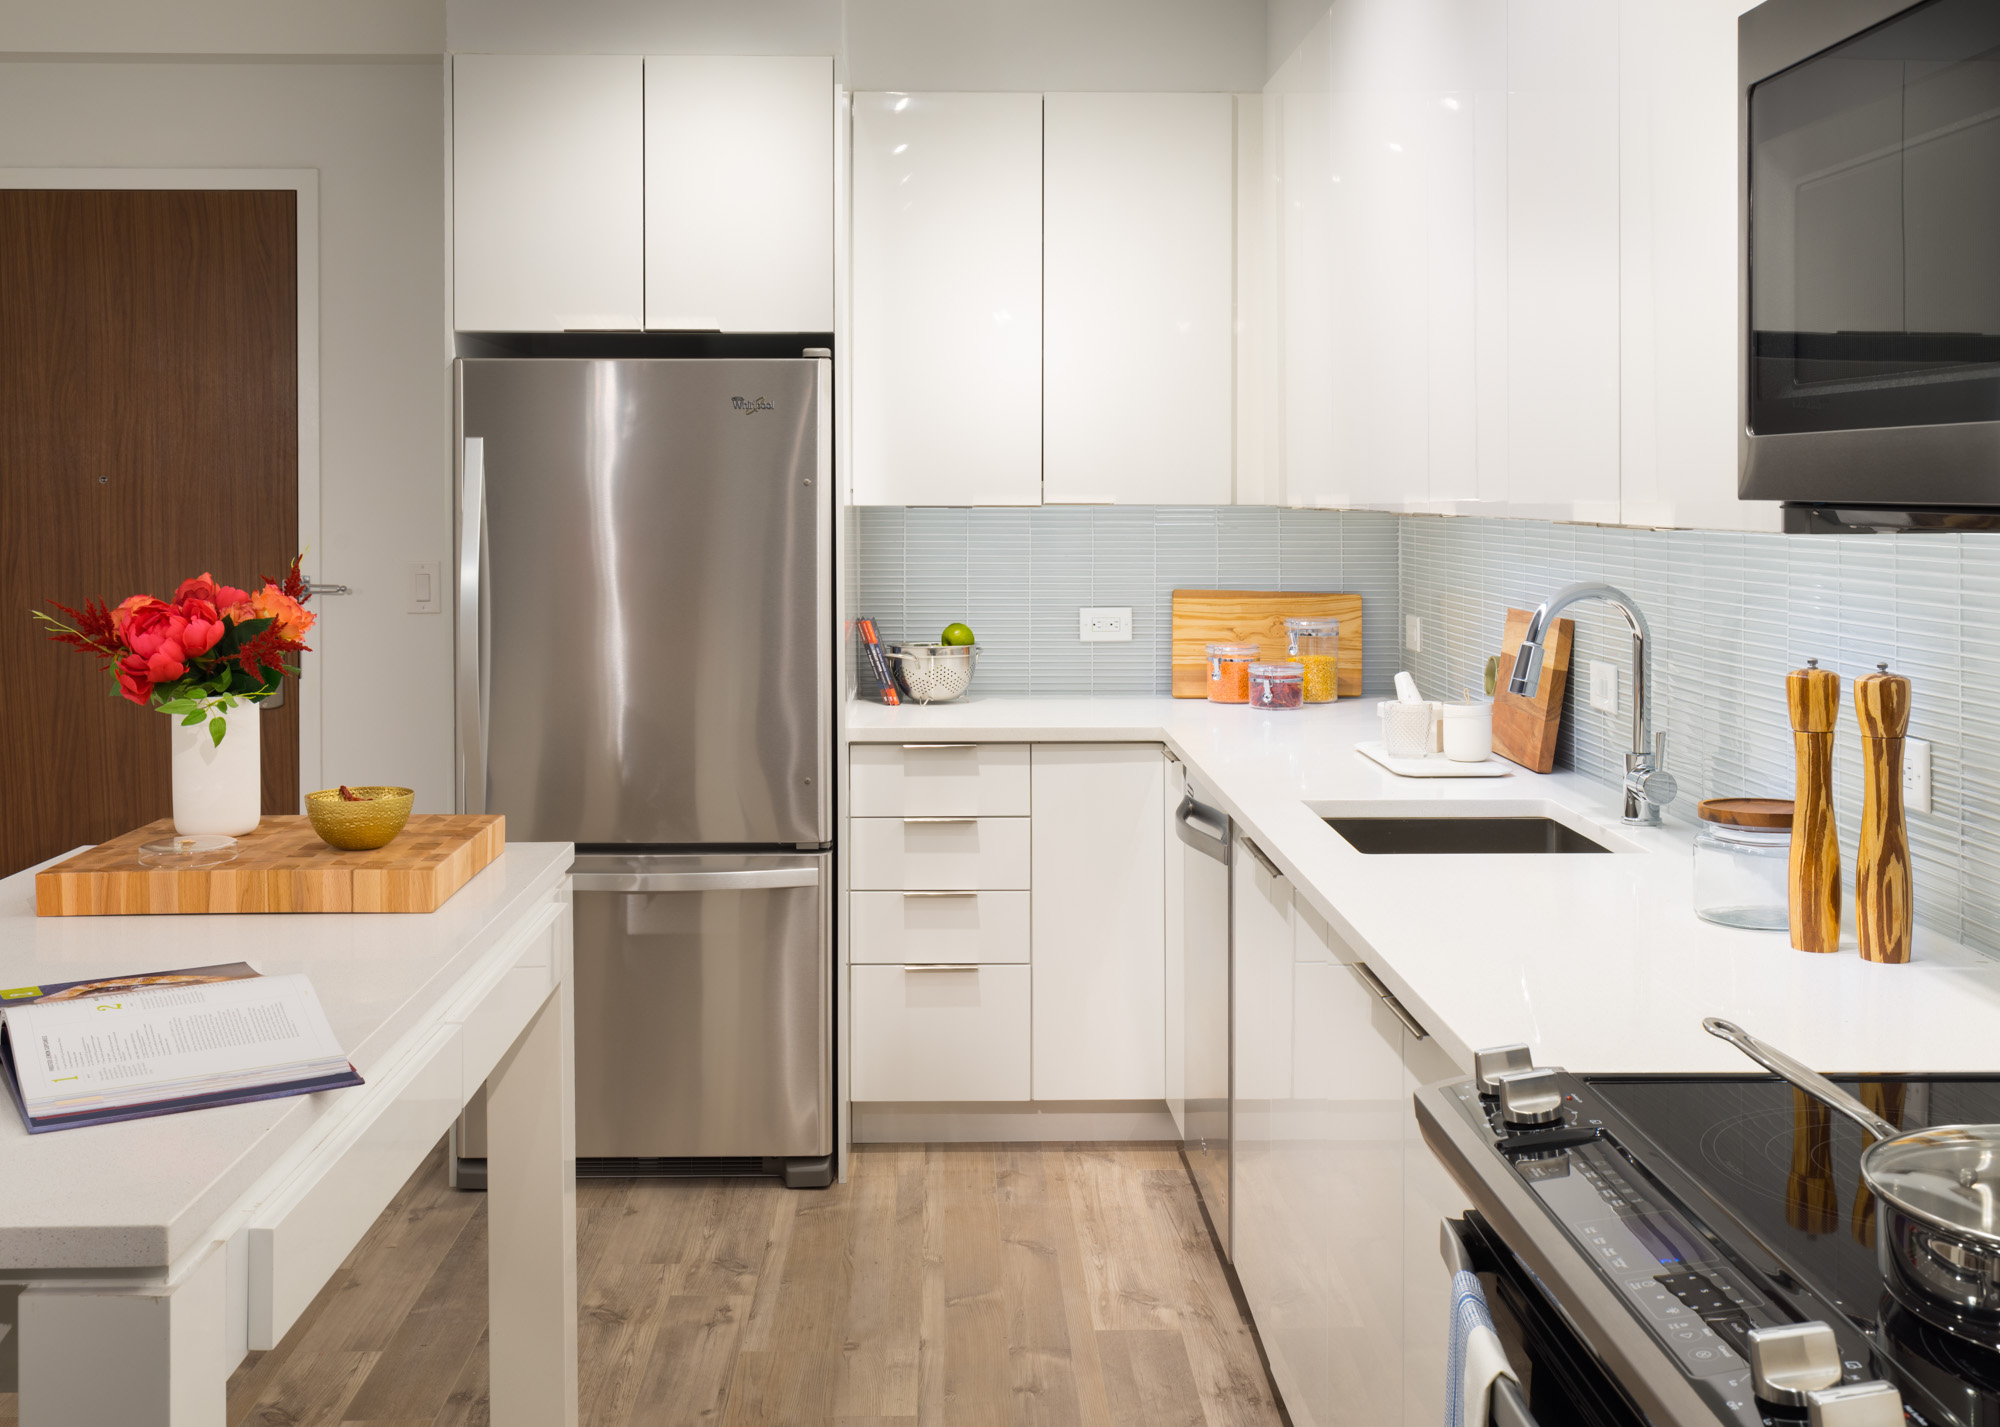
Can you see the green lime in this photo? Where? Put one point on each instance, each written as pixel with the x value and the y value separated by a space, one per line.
pixel 956 634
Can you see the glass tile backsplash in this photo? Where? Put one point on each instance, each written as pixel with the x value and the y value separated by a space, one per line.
pixel 1019 576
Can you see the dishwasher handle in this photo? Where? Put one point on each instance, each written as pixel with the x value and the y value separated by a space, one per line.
pixel 1203 828
pixel 745 879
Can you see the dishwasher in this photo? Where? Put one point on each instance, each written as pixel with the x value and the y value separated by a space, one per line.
pixel 1198 1038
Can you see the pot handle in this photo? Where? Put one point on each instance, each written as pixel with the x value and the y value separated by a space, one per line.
pixel 1802 1076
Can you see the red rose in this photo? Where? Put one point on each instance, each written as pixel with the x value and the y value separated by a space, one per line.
pixel 204 625
pixel 204 587
pixel 154 632
pixel 130 606
pixel 133 680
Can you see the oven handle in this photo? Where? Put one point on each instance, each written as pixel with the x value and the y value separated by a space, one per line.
pixel 1505 1406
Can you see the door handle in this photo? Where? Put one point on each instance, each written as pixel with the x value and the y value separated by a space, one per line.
pixel 941 894
pixel 1388 998
pixel 314 587
pixel 940 820
pixel 915 746
pixel 1203 828
pixel 942 966
pixel 470 690
pixel 743 879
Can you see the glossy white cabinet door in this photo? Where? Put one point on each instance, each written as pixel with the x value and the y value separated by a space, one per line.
pixel 1099 943
pixel 1174 855
pixel 930 1035
pixel 1138 291
pixel 947 295
pixel 548 174
pixel 1263 1243
pixel 739 193
pixel 1429 1196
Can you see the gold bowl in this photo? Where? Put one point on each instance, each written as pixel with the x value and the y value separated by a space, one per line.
pixel 363 826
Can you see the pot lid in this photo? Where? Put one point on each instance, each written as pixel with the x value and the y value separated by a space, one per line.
pixel 1948 1176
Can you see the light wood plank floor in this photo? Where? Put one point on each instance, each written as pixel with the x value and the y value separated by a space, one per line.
pixel 960 1285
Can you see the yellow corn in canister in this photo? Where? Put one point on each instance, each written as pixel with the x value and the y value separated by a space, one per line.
pixel 1315 643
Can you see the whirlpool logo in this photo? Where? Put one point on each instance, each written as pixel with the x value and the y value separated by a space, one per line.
pixel 750 405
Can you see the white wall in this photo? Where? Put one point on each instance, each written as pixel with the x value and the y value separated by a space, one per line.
pixel 232 27
pixel 375 133
pixel 1215 45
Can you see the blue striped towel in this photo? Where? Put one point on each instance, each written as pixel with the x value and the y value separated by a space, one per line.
pixel 1475 1357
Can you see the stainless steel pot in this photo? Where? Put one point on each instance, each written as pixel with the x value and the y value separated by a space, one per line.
pixel 1939 1190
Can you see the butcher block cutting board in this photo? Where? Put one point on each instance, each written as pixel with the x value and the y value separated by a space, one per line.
pixel 1525 729
pixel 1203 617
pixel 281 867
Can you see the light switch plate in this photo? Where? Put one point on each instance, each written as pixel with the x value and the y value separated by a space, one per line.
pixel 1413 633
pixel 1104 624
pixel 1604 686
pixel 426 587
pixel 1916 775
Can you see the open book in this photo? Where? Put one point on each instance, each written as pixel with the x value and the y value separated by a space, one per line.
pixel 123 1048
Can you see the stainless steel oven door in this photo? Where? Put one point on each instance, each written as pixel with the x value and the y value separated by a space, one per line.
pixel 703 1006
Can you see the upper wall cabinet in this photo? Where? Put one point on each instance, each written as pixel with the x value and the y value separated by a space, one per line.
pixel 547 180
pixel 739 194
pixel 947 299
pixel 1138 279
pixel 610 192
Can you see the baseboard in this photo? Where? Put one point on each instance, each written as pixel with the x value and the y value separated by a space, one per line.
pixel 1029 1121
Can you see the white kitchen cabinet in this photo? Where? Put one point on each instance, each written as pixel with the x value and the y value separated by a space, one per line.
pixel 925 1033
pixel 739 193
pixel 910 927
pixel 947 299
pixel 1099 931
pixel 1138 194
pixel 937 854
pixel 548 171
pixel 889 780
pixel 1263 1211
pixel 1429 1196
pixel 1173 861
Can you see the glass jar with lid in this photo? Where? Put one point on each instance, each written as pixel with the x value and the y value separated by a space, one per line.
pixel 1742 862
pixel 1277 686
pixel 1229 672
pixel 1314 644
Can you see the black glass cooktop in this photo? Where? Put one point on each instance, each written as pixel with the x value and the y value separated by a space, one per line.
pixel 1790 1170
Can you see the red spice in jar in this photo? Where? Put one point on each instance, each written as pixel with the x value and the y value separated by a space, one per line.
pixel 1229 672
pixel 1277 686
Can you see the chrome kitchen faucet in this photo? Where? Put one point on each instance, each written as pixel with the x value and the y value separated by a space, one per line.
pixel 1648 786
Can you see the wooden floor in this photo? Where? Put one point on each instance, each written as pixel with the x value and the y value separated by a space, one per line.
pixel 959 1285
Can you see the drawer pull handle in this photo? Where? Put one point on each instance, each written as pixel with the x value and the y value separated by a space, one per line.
pixel 940 820
pixel 941 894
pixel 915 746
pixel 1388 998
pixel 1268 865
pixel 941 966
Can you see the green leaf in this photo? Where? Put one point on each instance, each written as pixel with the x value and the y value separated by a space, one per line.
pixel 192 719
pixel 216 728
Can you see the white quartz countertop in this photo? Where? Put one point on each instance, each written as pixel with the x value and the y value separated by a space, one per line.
pixel 1598 962
pixel 136 1195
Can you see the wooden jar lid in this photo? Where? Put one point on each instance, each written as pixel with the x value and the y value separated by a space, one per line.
pixel 1773 813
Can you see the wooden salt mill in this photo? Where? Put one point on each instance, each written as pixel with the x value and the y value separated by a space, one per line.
pixel 1882 898
pixel 1813 695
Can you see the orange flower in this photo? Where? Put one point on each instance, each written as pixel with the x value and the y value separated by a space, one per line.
pixel 292 618
pixel 130 606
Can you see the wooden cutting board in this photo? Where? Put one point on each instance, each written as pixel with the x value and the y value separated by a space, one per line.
pixel 1524 729
pixel 1203 617
pixel 281 867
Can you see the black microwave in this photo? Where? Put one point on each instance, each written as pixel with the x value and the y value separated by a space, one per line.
pixel 1870 298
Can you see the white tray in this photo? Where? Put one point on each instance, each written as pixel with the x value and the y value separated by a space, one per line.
pixel 1436 765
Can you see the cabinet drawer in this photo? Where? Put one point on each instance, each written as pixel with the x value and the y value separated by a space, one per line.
pixel 958 853
pixel 956 1034
pixel 888 780
pixel 938 926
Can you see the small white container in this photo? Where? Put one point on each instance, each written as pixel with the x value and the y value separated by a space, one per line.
pixel 1407 728
pixel 1468 732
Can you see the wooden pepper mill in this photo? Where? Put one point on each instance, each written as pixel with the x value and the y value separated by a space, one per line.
pixel 1882 900
pixel 1813 695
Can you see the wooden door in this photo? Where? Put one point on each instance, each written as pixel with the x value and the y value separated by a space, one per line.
pixel 148 432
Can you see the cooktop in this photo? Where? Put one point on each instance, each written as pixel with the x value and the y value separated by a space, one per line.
pixel 1789 1170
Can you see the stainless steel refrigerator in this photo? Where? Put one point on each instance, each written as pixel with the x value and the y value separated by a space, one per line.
pixel 645 668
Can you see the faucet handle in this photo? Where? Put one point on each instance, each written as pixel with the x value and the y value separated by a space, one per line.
pixel 1659 751
pixel 1654 783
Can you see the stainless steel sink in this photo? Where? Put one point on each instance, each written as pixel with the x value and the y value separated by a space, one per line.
pixel 1397 836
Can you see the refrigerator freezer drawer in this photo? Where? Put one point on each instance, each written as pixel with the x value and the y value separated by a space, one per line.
pixel 703 1006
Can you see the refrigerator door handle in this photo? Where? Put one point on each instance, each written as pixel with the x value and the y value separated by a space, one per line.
pixel 470 685
pixel 737 880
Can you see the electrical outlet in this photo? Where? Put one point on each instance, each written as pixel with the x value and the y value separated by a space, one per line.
pixel 1604 686
pixel 1413 633
pixel 1104 624
pixel 1916 775
pixel 426 587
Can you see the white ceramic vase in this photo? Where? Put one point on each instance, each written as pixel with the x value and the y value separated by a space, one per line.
pixel 218 788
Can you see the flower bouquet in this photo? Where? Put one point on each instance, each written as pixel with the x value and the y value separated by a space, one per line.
pixel 207 658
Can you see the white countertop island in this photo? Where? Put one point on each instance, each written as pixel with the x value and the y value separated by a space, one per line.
pixel 1597 962
pixel 163 1249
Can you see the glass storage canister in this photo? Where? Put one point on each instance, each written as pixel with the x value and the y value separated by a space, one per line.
pixel 1742 862
pixel 1229 672
pixel 1314 645
pixel 1277 686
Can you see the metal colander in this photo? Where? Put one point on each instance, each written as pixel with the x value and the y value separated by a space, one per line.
pixel 933 673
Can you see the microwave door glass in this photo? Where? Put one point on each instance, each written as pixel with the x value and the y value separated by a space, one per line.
pixel 1874 225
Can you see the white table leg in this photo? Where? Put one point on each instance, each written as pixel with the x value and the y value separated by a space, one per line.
pixel 531 1209
pixel 139 1357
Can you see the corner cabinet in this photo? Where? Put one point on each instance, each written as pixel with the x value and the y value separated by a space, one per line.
pixel 614 192
pixel 1044 298
pixel 1336 1200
